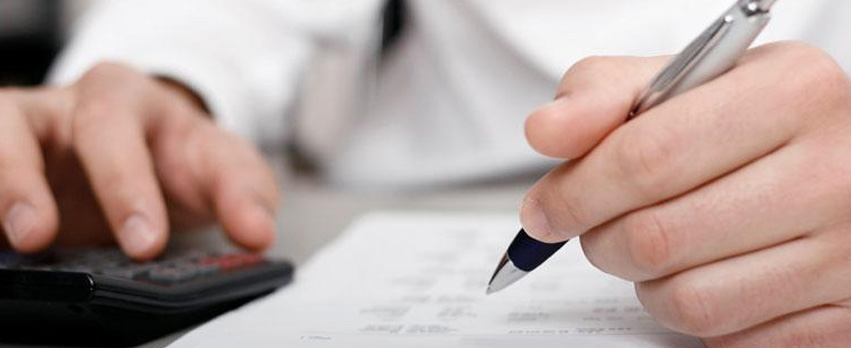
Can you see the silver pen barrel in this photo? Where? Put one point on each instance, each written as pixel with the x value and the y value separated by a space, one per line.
pixel 759 5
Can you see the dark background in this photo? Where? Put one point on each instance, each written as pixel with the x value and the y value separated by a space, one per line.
pixel 30 37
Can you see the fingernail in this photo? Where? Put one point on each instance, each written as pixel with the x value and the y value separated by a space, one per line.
pixel 19 222
pixel 534 220
pixel 137 236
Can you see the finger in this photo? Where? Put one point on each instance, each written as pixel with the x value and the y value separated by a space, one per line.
pixel 239 185
pixel 29 215
pixel 741 292
pixel 110 139
pixel 823 327
pixel 744 211
pixel 671 149
pixel 593 98
pixel 246 196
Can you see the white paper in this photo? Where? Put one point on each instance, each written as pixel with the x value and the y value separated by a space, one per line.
pixel 418 280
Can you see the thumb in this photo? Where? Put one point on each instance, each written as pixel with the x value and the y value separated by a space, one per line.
pixel 594 97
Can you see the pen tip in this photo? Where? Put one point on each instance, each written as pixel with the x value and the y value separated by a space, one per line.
pixel 504 275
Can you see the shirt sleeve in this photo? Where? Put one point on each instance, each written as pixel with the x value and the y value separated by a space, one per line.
pixel 244 58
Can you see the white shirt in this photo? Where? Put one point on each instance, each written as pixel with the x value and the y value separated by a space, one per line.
pixel 446 105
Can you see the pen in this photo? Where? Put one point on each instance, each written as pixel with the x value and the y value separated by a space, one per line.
pixel 711 54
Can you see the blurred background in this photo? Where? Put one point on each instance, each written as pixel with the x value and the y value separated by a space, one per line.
pixel 32 32
pixel 30 36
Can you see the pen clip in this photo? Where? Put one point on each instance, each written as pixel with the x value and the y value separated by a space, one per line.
pixel 684 62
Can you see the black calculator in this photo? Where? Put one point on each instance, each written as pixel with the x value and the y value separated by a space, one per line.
pixel 99 297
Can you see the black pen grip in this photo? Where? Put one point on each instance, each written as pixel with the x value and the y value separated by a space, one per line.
pixel 528 253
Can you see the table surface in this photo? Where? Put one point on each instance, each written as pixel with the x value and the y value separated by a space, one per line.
pixel 312 214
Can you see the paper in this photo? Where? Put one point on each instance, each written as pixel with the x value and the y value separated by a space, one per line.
pixel 418 280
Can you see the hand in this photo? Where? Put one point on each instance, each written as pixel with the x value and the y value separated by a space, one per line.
pixel 729 206
pixel 124 155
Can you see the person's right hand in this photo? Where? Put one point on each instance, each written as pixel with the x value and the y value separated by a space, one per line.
pixel 727 205
pixel 120 155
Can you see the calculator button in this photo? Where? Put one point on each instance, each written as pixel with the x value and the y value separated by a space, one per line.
pixel 172 274
pixel 207 269
pixel 77 268
pixel 234 261
pixel 125 273
pixel 191 254
pixel 139 267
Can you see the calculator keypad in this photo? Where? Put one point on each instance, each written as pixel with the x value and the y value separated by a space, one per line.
pixel 172 267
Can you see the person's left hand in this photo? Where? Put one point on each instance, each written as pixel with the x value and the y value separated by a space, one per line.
pixel 123 156
pixel 729 206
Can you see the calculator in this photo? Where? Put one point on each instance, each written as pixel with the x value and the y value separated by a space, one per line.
pixel 99 297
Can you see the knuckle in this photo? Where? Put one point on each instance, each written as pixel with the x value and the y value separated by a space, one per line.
pixel 802 54
pixel 648 159
pixel 817 75
pixel 114 80
pixel 91 115
pixel 832 85
pixel 591 64
pixel 648 243
pixel 105 70
pixel 587 69
pixel 692 310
